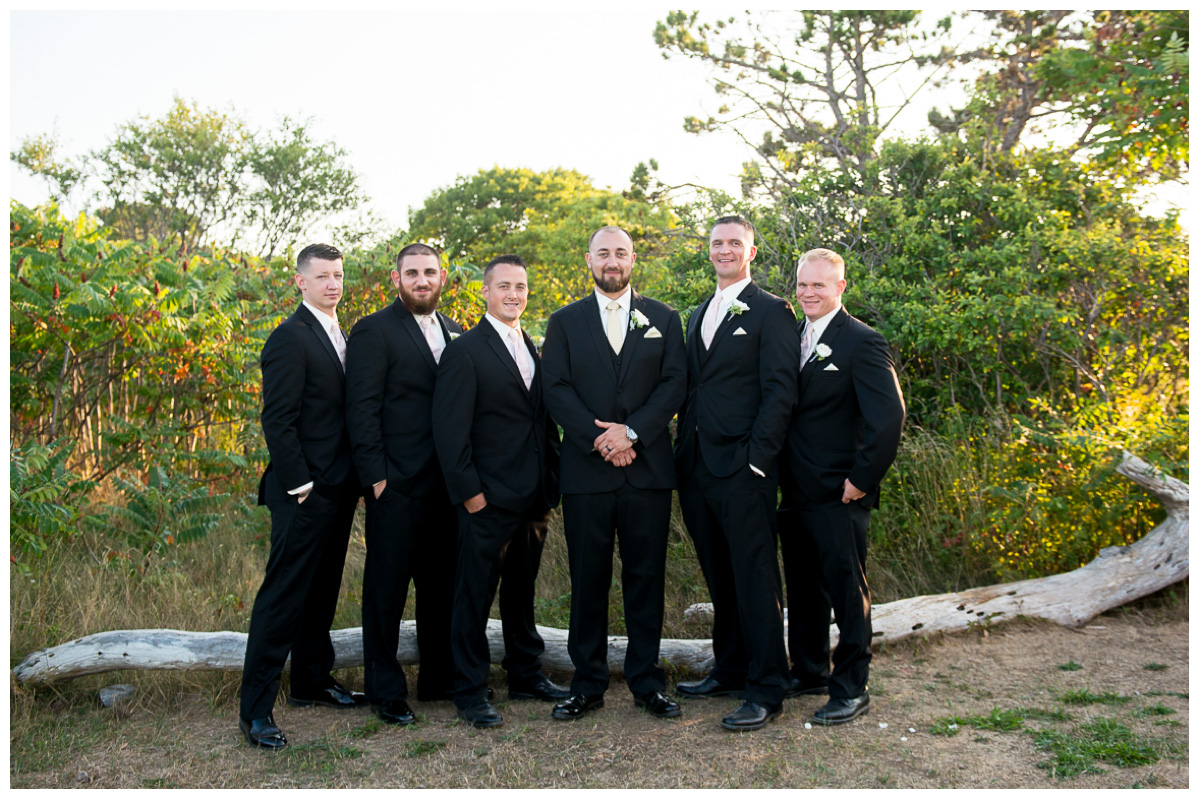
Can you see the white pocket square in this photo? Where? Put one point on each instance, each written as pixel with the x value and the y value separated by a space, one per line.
pixel 740 332
pixel 653 333
pixel 831 368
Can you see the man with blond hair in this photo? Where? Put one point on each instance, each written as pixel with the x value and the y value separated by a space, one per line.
pixel 841 440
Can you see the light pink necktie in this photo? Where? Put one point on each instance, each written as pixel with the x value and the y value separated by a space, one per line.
pixel 339 342
pixel 431 336
pixel 521 356
pixel 806 346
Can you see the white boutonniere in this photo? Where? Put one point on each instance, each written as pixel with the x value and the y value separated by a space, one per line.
pixel 637 320
pixel 824 351
pixel 737 307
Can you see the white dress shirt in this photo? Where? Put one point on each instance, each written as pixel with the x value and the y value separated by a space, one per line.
pixel 625 301
pixel 817 326
pixel 505 330
pixel 718 308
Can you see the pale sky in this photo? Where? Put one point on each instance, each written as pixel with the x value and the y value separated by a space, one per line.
pixel 416 97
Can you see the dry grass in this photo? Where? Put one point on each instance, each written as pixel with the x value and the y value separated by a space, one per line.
pixel 187 736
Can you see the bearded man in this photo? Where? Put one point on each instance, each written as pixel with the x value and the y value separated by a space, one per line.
pixel 412 531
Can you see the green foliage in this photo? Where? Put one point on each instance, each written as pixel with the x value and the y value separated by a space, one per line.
pixel 546 218
pixel 299 182
pixel 1101 740
pixel 163 511
pixel 40 155
pixel 179 176
pixel 1070 666
pixel 43 497
pixel 1086 697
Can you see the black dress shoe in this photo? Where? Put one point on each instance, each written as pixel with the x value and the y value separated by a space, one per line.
pixel 577 705
pixel 481 715
pixel 659 705
pixel 841 710
pixel 396 712
pixel 544 689
pixel 706 688
pixel 798 687
pixel 749 717
pixel 263 732
pixel 333 696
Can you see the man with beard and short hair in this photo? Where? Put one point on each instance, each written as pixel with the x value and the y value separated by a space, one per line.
pixel 411 531
pixel 614 376
pixel 499 452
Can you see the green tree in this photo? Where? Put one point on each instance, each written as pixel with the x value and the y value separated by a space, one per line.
pixel 175 178
pixel 546 218
pixel 40 155
pixel 297 183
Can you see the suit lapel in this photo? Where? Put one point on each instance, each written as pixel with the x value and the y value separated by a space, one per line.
pixel 319 331
pixel 633 337
pixel 729 321
pixel 500 347
pixel 409 323
pixel 591 313
pixel 828 336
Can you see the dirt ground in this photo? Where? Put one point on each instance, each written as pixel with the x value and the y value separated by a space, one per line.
pixel 1127 667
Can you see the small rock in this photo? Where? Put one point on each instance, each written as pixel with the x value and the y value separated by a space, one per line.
pixel 111 695
pixel 808 726
pixel 883 725
pixel 904 738
pixel 82 777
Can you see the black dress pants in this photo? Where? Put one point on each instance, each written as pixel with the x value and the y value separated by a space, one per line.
pixel 496 548
pixel 638 520
pixel 824 549
pixel 298 597
pixel 408 539
pixel 732 523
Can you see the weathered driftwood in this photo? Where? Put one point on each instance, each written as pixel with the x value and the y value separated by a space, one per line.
pixel 1117 576
pixel 225 650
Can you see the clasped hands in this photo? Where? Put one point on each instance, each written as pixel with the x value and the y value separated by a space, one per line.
pixel 613 444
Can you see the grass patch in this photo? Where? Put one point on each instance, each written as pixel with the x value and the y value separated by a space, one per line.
pixel 998 720
pixel 1070 666
pixel 1154 666
pixel 422 747
pixel 1086 697
pixel 947 726
pixel 1156 710
pixel 1104 740
pixel 1057 715
pixel 1180 695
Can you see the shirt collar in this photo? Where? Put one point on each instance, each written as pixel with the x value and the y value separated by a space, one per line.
pixel 821 323
pixel 625 299
pixel 321 315
pixel 501 328
pixel 732 291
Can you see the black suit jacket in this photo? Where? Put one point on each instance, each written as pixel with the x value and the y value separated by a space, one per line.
pixel 741 390
pixel 492 434
pixel 583 385
pixel 390 376
pixel 849 414
pixel 304 407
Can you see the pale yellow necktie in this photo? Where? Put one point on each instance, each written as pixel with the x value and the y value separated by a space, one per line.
pixel 615 330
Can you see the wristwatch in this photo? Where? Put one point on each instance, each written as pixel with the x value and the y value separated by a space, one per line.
pixel 630 435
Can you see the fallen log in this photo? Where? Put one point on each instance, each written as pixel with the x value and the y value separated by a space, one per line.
pixel 1116 576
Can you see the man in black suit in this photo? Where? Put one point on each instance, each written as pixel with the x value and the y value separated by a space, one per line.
pixel 743 358
pixel 311 490
pixel 412 530
pixel 499 452
pixel 842 439
pixel 614 377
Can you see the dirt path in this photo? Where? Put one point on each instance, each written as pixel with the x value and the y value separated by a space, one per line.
pixel 1127 674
